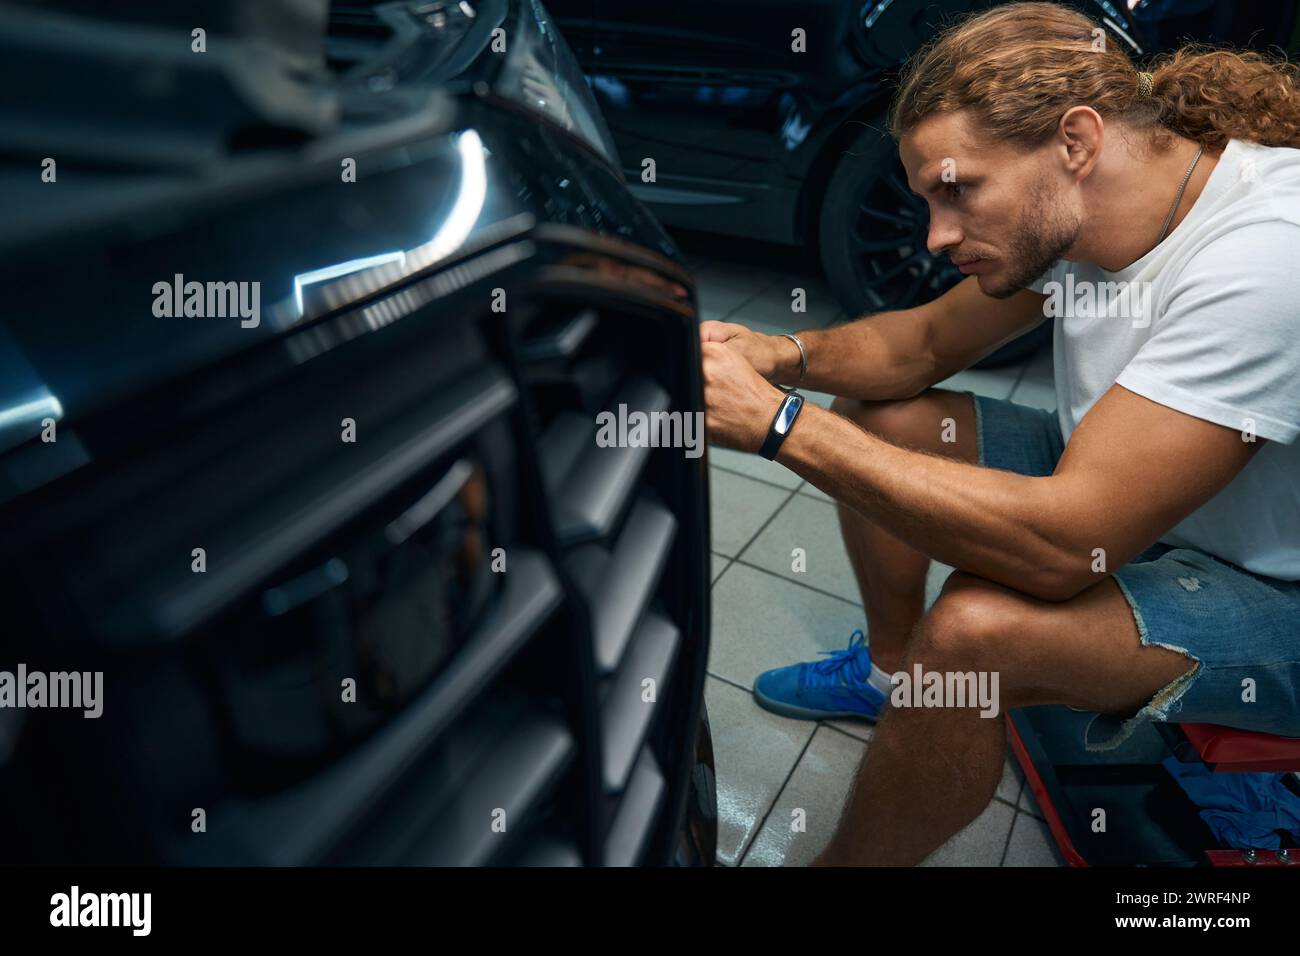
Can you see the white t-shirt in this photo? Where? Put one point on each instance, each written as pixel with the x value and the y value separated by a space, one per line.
pixel 1207 323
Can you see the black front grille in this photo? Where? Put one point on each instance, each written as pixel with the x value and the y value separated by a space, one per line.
pixel 620 516
pixel 471 636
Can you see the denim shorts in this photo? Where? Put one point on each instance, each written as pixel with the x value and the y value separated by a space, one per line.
pixel 1242 629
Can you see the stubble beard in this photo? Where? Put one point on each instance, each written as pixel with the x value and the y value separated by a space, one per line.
pixel 1044 233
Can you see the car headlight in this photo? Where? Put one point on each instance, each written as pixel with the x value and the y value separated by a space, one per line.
pixel 542 73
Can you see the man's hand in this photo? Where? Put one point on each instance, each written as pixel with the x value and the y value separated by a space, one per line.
pixel 768 354
pixel 740 405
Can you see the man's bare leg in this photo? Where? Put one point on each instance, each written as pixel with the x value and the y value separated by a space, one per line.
pixel 891 575
pixel 930 771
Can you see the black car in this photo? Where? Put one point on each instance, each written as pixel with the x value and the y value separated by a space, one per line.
pixel 758 130
pixel 1258 24
pixel 311 311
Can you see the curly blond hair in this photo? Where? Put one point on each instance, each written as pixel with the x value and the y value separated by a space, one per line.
pixel 1018 67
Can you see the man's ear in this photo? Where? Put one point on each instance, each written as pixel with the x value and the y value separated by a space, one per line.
pixel 1081 133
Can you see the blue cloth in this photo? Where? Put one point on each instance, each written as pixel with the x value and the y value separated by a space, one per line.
pixel 1244 810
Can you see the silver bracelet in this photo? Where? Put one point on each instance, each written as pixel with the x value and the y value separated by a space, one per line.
pixel 803 354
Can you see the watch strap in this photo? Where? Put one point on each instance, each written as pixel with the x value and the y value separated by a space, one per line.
pixel 772 443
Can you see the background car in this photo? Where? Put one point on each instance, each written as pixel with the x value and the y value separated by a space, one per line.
pixel 1259 24
pixel 361 584
pixel 752 139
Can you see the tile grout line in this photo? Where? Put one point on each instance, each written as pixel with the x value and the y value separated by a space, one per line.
pixel 726 317
pixel 758 829
pixel 741 474
pixel 739 559
pixel 1006 848
pixel 782 577
pixel 725 568
pixel 828 500
pixel 865 741
pixel 763 526
pixel 728 681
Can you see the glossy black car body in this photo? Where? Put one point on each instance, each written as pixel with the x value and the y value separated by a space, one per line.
pixel 384 476
pixel 1259 24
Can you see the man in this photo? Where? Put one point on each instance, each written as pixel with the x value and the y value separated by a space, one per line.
pixel 1137 553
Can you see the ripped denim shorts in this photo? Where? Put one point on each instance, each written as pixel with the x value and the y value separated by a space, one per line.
pixel 1242 629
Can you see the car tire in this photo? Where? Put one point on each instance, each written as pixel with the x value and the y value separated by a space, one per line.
pixel 871 239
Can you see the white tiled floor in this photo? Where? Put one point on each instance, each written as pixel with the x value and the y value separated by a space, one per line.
pixel 774 772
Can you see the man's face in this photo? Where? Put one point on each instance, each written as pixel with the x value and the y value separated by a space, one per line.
pixel 998 211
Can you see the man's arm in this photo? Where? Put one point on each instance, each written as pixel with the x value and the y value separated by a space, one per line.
pixel 891 355
pixel 1133 469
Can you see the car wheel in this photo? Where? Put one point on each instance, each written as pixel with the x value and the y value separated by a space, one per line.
pixel 872 241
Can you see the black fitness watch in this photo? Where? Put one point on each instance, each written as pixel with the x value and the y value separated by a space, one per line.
pixel 781 424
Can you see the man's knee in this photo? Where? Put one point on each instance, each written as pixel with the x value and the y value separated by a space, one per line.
pixel 929 421
pixel 893 420
pixel 970 627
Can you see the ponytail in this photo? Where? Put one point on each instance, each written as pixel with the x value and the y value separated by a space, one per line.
pixel 1212 96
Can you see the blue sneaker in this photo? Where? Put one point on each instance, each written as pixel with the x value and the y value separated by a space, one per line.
pixel 818 690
